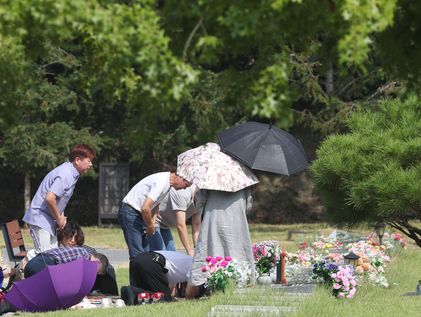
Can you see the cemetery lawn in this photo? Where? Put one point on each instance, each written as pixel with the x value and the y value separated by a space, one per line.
pixel 402 273
pixel 112 236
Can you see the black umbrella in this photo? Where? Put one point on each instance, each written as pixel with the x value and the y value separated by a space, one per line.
pixel 264 147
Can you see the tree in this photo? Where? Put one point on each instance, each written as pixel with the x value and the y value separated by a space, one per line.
pixel 102 55
pixel 33 147
pixel 372 173
pixel 280 53
pixel 93 71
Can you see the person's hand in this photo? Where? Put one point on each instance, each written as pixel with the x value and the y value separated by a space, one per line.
pixel 61 221
pixel 150 230
pixel 190 252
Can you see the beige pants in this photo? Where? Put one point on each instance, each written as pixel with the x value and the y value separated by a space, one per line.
pixel 43 240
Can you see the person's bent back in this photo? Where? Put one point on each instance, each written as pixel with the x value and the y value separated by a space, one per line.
pixel 59 256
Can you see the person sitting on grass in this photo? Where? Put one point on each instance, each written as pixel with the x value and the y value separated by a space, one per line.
pixel 63 255
pixel 72 236
pixel 54 257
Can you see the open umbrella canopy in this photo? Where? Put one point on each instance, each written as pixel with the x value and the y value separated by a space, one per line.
pixel 55 287
pixel 264 147
pixel 209 168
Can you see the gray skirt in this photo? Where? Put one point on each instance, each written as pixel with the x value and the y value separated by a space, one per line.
pixel 224 232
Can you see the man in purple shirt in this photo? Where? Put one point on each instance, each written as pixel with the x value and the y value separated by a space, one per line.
pixel 46 211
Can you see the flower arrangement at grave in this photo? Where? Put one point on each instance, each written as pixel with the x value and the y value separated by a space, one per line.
pixel 393 240
pixel 340 279
pixel 371 265
pixel 325 243
pixel 372 262
pixel 266 254
pixel 222 270
pixel 398 239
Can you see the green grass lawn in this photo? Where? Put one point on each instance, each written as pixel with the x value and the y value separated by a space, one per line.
pixel 403 274
pixel 112 237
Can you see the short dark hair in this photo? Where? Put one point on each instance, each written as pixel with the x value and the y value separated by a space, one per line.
pixel 71 229
pixel 103 263
pixel 82 151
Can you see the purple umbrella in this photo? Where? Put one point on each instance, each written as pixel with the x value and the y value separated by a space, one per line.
pixel 55 287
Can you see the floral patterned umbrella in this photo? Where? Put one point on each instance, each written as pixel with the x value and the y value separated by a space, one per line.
pixel 209 168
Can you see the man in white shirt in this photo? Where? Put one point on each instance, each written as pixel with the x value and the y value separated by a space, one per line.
pixel 157 271
pixel 139 209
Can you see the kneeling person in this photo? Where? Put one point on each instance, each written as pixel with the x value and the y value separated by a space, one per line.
pixel 157 271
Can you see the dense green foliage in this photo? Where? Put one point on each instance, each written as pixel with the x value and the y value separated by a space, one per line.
pixel 143 80
pixel 143 73
pixel 373 172
pixel 92 64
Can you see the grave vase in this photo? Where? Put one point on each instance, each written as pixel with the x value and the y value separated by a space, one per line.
pixel 264 279
pixel 272 274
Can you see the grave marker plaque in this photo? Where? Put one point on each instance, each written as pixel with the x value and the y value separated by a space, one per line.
pixel 113 186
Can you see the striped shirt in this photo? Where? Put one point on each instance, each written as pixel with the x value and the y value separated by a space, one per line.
pixel 65 255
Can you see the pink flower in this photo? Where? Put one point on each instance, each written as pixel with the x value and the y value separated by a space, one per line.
pixel 223 264
pixel 213 261
pixel 228 258
pixel 219 258
pixel 352 293
pixel 341 295
pixel 204 268
pixel 208 258
pixel 336 286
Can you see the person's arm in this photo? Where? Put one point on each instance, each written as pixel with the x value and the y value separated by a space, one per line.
pixel 196 221
pixel 155 214
pixel 147 216
pixel 51 202
pixel 192 291
pixel 182 231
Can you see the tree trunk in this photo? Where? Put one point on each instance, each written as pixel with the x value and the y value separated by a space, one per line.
pixel 27 191
pixel 329 79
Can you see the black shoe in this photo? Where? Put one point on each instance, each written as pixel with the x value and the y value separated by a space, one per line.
pixel 128 295
pixel 204 291
pixel 6 307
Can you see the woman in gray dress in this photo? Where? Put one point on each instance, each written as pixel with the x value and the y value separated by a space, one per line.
pixel 224 232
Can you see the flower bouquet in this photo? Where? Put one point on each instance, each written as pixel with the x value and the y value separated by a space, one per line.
pixel 373 259
pixel 344 282
pixel 266 254
pixel 220 271
pixel 340 279
pixel 322 272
